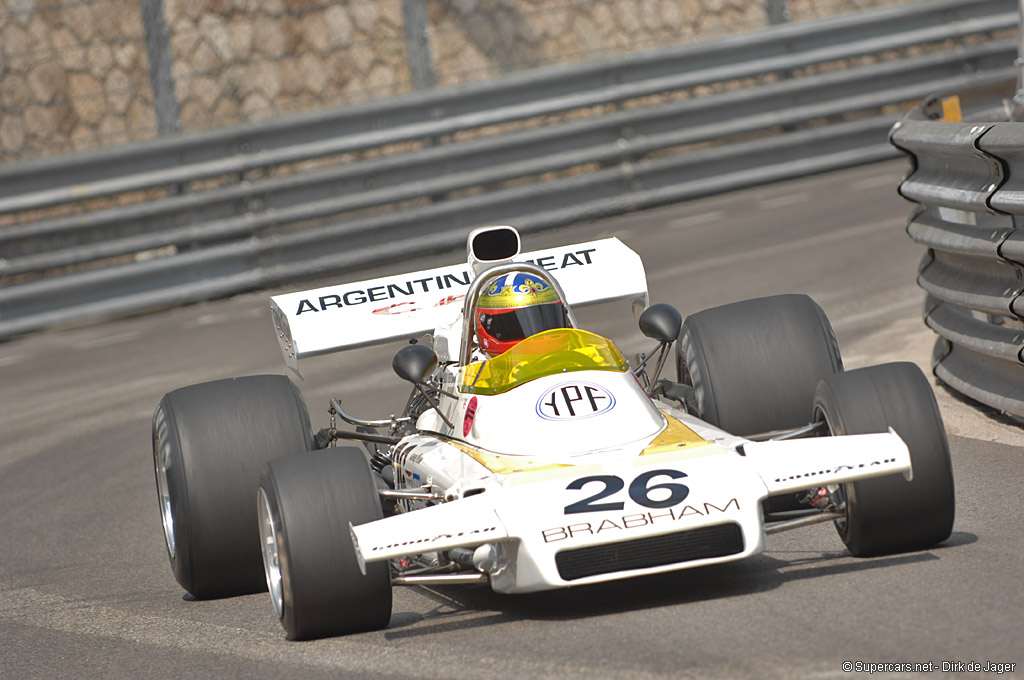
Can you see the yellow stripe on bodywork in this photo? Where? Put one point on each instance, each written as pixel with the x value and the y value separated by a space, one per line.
pixel 675 436
pixel 676 442
pixel 662 457
pixel 505 465
pixel 554 472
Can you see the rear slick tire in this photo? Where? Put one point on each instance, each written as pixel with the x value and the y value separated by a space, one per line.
pixel 886 515
pixel 306 504
pixel 754 365
pixel 210 443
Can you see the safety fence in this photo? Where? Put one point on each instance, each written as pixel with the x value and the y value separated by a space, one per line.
pixel 968 181
pixel 197 216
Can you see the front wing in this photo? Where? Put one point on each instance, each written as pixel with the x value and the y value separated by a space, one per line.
pixel 574 525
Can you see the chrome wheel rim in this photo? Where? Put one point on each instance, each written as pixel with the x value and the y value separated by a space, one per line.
pixel 271 554
pixel 160 463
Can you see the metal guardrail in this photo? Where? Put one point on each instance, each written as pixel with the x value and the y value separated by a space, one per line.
pixel 968 181
pixel 631 134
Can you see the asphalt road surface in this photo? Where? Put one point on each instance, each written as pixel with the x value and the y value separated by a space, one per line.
pixel 86 590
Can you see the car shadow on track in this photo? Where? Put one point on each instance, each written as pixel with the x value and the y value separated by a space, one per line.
pixel 759 574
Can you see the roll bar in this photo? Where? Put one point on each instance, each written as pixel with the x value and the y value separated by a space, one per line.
pixel 488 275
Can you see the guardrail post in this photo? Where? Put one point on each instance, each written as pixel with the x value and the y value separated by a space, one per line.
pixel 421 64
pixel 158 47
pixel 1018 99
pixel 776 11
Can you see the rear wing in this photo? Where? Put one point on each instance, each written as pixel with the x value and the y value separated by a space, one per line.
pixel 346 316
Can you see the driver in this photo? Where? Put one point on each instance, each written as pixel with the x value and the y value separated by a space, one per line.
pixel 514 307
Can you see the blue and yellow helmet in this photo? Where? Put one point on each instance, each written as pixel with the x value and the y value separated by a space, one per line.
pixel 516 306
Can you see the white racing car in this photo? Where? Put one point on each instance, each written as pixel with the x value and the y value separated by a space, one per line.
pixel 531 455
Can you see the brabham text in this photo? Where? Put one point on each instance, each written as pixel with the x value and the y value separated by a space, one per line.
pixel 634 521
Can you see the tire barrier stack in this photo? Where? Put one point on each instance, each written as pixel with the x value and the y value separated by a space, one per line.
pixel 197 216
pixel 967 179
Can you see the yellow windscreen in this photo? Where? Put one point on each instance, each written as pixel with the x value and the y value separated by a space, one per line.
pixel 562 350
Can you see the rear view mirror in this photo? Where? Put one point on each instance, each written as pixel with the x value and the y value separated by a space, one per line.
pixel 661 322
pixel 414 363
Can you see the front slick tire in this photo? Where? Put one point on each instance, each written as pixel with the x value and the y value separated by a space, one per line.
pixel 306 503
pixel 889 514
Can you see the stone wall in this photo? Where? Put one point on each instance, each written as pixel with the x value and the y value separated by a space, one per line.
pixel 250 59
pixel 74 74
pixel 474 39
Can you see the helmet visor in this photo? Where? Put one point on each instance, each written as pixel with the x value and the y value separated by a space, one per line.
pixel 516 324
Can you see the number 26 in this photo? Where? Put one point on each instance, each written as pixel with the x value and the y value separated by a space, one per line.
pixel 639 490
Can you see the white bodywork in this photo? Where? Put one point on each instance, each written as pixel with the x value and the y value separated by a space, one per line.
pixel 567 461
pixel 521 509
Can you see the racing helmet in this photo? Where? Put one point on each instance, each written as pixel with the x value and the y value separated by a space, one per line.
pixel 514 307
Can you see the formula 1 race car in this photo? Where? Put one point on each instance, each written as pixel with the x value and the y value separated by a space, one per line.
pixel 531 454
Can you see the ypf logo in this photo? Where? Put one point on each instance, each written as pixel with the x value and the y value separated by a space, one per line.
pixel 574 400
